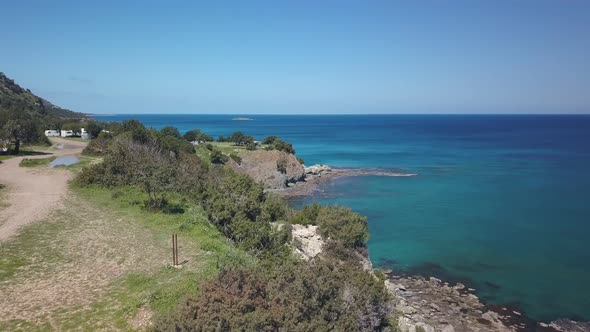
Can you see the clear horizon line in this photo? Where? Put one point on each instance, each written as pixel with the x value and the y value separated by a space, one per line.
pixel 318 114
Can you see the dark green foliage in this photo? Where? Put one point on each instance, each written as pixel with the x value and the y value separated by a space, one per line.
pixel 131 163
pixel 251 146
pixel 14 98
pixel 93 128
pixel 236 205
pixel 343 225
pixel 20 129
pixel 273 209
pixel 240 139
pixel 339 224
pixel 269 140
pixel 301 161
pixel 24 116
pixel 170 131
pixel 173 144
pixel 217 157
pixel 322 295
pixel 137 131
pixel 197 135
pixel 221 139
pixel 306 216
pixel 235 158
pixel 99 145
pixel 275 143
pixel 74 126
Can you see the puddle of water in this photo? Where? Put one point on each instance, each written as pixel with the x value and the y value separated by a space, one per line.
pixel 64 161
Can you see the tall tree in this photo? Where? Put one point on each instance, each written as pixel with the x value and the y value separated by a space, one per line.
pixel 19 130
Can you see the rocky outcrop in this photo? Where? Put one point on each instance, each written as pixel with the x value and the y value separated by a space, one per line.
pixel 274 169
pixel 434 305
pixel 307 242
pixel 317 170
pixel 564 325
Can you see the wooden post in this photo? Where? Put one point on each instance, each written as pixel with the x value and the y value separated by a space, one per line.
pixel 173 252
pixel 176 247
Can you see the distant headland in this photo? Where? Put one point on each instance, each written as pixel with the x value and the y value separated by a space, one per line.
pixel 242 119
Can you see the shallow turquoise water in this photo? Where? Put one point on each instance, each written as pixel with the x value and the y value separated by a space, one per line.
pixel 500 202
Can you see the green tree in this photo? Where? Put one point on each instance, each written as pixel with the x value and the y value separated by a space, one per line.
pixel 93 128
pixel 75 127
pixel 19 130
pixel 170 131
pixel 217 157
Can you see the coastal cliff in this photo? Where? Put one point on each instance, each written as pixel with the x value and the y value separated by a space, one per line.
pixel 430 304
pixel 274 169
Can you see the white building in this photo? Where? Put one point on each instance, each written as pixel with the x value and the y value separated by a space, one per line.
pixel 67 133
pixel 51 133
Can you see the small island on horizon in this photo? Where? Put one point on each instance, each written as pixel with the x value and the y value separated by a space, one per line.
pixel 242 119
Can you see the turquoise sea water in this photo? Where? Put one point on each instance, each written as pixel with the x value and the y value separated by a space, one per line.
pixel 501 202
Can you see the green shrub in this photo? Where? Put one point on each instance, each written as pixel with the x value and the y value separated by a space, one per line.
pixel 235 158
pixel 217 157
pixel 336 223
pixel 321 295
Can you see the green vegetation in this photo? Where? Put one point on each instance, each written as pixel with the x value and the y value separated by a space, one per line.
pixel 34 150
pixel 197 135
pixel 46 249
pixel 26 162
pixel 24 116
pixel 275 143
pixel 3 203
pixel 271 289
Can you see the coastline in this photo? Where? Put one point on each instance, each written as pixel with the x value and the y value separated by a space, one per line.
pixel 429 302
pixel 312 183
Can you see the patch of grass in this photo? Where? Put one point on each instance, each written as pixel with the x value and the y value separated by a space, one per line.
pixel 3 203
pixel 33 150
pixel 84 161
pixel 162 290
pixel 227 148
pixel 22 252
pixel 40 250
pixel 76 139
pixel 26 162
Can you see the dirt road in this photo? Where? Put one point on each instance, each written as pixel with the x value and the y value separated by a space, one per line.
pixel 33 193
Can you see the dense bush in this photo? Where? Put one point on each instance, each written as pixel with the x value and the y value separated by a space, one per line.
pixel 240 138
pixel 170 131
pixel 98 146
pixel 197 135
pixel 336 223
pixel 322 295
pixel 275 143
pixel 238 207
pixel 217 157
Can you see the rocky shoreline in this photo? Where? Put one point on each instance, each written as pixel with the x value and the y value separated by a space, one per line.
pixel 318 174
pixel 435 305
pixel 424 303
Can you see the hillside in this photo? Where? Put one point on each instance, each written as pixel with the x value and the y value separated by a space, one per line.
pixel 15 98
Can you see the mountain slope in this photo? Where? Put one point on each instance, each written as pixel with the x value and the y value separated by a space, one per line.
pixel 14 98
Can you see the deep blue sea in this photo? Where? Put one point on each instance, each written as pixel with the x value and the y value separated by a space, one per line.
pixel 501 202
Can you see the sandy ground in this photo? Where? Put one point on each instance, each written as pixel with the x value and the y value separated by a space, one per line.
pixel 33 193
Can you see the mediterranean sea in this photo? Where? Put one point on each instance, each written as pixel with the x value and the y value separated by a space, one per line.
pixel 501 202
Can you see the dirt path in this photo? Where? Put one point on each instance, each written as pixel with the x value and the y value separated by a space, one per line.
pixel 33 193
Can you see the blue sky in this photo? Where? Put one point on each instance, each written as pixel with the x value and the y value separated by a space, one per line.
pixel 302 56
